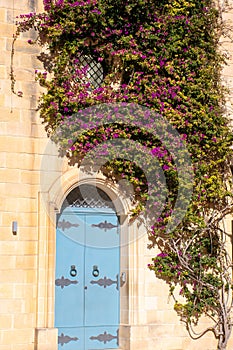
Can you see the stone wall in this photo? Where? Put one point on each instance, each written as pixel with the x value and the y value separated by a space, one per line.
pixel 22 141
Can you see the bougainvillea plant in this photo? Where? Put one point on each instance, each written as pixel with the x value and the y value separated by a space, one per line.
pixel 162 55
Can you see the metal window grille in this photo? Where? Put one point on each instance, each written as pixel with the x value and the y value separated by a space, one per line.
pixel 95 74
pixel 88 196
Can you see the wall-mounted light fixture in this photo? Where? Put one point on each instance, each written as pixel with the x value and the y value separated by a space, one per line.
pixel 14 227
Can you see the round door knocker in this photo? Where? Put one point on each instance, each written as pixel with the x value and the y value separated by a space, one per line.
pixel 73 271
pixel 95 271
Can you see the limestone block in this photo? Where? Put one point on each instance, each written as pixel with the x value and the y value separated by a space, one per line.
pixel 151 302
pixel 3 127
pixel 23 347
pixel 24 161
pixel 21 44
pixel 38 131
pixel 20 5
pixel 30 177
pixel 24 233
pixel 142 344
pixel 168 343
pixel 6 115
pixel 6 322
pixel 26 205
pixel 24 219
pixel 11 306
pixel 29 89
pixel 3 13
pixel 9 176
pixel 2 100
pixel 25 291
pixel 6 290
pixel 228 70
pixel 18 276
pixel 25 74
pixel 24 321
pixel 7 263
pixel 13 101
pixel 28 233
pixel 31 306
pixel 206 342
pixel 14 144
pixel 22 336
pixel 17 248
pixel 5 347
pixel 4 72
pixel 10 204
pixel 32 115
pixel 26 262
pixel 45 336
pixel 7 29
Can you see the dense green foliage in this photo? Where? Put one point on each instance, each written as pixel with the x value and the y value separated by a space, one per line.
pixel 162 55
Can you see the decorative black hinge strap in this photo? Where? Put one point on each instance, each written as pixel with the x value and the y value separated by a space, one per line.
pixel 66 225
pixel 105 337
pixel 105 282
pixel 104 225
pixel 64 282
pixel 64 339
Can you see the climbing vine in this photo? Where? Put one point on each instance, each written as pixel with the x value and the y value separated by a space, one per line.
pixel 165 57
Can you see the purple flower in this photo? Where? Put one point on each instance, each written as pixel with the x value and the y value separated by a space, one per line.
pixel 69 93
pixel 184 137
pixel 173 94
pixel 158 152
pixel 96 11
pixel 159 220
pixel 47 4
pixel 162 107
pixel 59 3
pixel 166 167
pixel 162 63
pixel 162 255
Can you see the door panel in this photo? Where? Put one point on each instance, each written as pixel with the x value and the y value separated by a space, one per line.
pixel 102 231
pixel 102 294
pixel 101 338
pixel 69 289
pixel 87 280
pixel 71 338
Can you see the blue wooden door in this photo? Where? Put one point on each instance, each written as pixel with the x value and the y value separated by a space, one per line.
pixel 87 279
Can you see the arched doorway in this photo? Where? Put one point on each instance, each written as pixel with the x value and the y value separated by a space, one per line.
pixel 87 310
